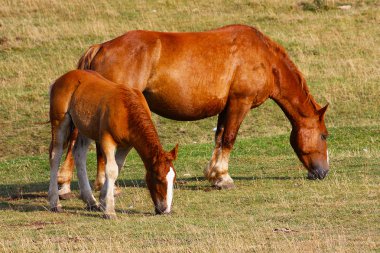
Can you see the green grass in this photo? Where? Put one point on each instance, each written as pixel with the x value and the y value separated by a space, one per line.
pixel 274 208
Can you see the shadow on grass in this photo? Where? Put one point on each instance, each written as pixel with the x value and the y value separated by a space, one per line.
pixel 12 194
pixel 39 189
pixel 26 207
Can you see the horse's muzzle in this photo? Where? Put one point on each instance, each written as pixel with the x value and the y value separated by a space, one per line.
pixel 317 173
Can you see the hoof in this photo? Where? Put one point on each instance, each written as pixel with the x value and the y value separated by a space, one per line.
pixel 109 216
pixel 56 209
pixel 66 196
pixel 224 183
pixel 93 208
pixel 225 186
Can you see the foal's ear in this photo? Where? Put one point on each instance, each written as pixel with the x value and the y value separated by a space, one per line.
pixel 322 111
pixel 174 152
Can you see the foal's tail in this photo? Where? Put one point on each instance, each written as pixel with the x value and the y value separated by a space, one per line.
pixel 86 59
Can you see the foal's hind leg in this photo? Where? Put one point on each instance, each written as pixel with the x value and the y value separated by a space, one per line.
pixel 59 127
pixel 80 156
pixel 228 125
pixel 65 173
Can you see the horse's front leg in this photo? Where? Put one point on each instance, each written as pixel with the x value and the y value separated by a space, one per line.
pixel 209 171
pixel 65 173
pixel 228 126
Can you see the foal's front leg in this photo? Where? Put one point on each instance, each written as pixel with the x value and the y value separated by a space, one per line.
pixel 101 171
pixel 107 199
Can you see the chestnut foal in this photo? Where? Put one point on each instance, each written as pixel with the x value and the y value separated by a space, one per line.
pixel 117 118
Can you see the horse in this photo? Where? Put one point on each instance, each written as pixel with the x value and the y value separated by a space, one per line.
pixel 117 118
pixel 225 72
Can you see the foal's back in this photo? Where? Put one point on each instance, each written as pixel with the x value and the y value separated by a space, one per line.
pixel 97 105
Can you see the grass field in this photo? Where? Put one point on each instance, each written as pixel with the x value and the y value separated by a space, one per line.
pixel 274 208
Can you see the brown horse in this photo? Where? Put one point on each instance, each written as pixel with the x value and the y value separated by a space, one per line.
pixel 117 118
pixel 227 71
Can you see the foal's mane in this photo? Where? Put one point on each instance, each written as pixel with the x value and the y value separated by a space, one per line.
pixel 280 51
pixel 140 120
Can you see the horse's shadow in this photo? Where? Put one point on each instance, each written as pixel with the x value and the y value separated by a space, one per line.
pixel 11 193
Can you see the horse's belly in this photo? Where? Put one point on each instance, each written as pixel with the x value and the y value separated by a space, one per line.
pixel 178 106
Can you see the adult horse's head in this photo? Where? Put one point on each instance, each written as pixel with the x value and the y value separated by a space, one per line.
pixel 160 180
pixel 309 141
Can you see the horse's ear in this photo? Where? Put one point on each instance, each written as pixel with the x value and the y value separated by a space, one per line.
pixel 322 111
pixel 174 152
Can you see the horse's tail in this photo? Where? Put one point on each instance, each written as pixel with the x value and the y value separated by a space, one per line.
pixel 86 59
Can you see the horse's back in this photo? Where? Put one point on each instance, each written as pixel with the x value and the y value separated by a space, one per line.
pixel 184 76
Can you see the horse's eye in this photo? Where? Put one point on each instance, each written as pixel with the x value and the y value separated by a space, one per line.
pixel 323 137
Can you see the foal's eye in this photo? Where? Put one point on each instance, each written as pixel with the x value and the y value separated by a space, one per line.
pixel 323 137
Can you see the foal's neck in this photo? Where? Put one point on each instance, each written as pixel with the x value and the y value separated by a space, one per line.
pixel 292 95
pixel 147 145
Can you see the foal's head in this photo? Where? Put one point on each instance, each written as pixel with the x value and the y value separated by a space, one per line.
pixel 160 180
pixel 309 141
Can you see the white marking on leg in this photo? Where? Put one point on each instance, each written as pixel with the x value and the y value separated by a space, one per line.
pixel 107 199
pixel 65 188
pixel 169 191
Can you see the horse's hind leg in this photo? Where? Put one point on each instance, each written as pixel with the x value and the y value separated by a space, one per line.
pixel 80 156
pixel 60 128
pixel 65 173
pixel 228 125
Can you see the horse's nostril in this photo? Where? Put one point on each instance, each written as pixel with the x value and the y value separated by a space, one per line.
pixel 324 173
pixel 317 173
pixel 311 176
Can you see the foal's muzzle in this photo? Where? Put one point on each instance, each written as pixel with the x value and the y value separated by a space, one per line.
pixel 161 209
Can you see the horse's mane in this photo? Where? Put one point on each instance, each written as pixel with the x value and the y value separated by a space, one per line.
pixel 280 51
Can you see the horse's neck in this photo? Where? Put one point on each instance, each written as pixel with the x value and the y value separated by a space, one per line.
pixel 147 146
pixel 293 97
